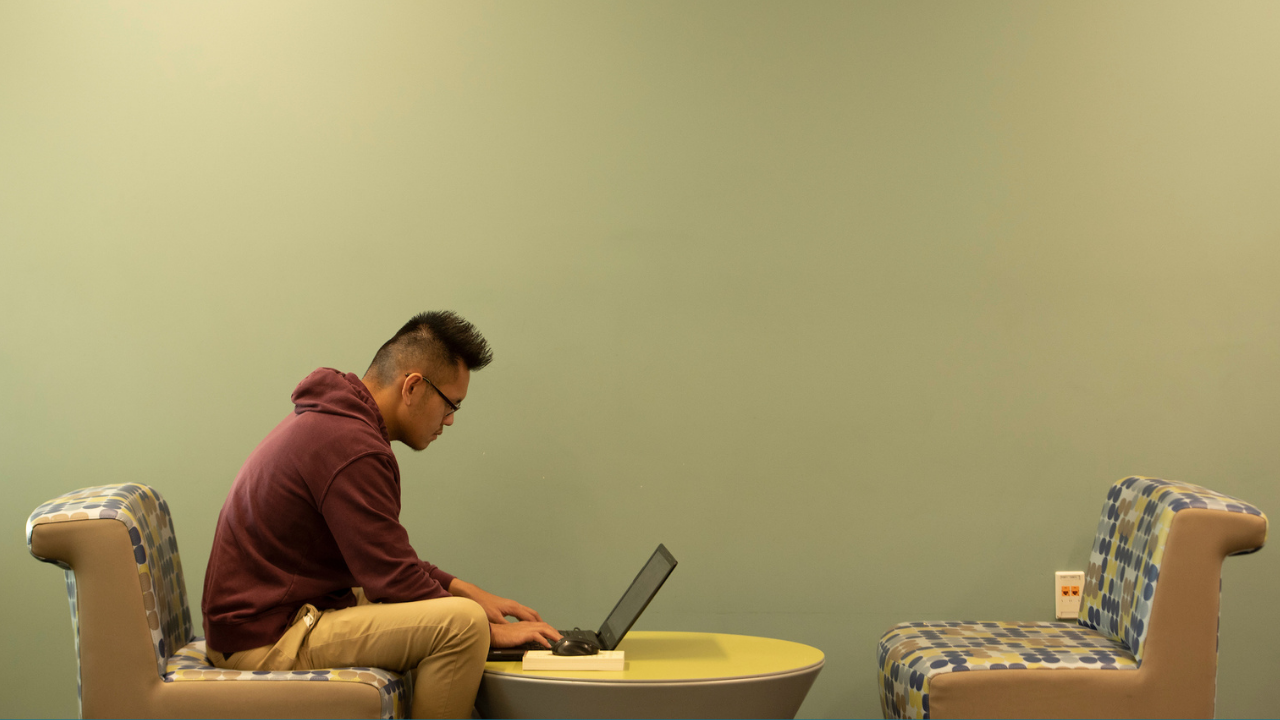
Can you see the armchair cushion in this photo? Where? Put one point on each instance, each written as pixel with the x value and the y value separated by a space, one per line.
pixel 913 653
pixel 191 664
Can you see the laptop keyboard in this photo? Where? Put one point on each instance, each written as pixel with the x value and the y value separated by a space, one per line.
pixel 576 634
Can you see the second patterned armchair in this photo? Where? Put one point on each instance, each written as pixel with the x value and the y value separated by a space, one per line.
pixel 1144 644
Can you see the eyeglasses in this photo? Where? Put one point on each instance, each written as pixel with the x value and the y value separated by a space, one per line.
pixel 453 407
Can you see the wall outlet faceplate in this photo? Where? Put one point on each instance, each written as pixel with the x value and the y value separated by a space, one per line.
pixel 1067 588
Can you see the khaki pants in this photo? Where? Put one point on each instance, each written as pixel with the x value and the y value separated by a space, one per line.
pixel 444 643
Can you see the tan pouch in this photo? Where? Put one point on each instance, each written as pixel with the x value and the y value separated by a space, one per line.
pixel 284 654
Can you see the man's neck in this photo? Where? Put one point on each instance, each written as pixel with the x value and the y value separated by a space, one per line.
pixel 387 400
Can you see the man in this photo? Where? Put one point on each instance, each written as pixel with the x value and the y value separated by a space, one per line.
pixel 311 567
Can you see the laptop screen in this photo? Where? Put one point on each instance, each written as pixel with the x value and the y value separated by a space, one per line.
pixel 637 597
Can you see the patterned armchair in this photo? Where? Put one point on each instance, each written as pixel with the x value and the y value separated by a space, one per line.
pixel 1145 641
pixel 138 655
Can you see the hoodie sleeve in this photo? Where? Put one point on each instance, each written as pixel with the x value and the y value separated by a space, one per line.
pixel 362 510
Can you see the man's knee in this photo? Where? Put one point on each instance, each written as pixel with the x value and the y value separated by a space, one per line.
pixel 468 620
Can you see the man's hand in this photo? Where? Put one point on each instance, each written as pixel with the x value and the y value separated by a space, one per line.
pixel 507 634
pixel 497 608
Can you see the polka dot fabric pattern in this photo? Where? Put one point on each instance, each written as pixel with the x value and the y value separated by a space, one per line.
pixel 911 654
pixel 155 550
pixel 1128 548
pixel 191 664
pixel 75 628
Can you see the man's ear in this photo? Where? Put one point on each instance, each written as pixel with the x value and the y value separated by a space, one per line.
pixel 408 389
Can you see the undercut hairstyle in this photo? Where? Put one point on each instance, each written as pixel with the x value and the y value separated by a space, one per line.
pixel 431 342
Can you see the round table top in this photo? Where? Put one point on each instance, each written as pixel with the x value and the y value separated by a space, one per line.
pixel 685 657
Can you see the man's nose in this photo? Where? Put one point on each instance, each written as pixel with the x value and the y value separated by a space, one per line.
pixel 448 419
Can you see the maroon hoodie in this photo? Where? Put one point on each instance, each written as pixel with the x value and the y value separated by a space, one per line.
pixel 314 512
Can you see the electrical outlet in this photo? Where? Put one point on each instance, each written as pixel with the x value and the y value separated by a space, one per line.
pixel 1067 587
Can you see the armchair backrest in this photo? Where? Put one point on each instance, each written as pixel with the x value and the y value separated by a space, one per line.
pixel 1129 549
pixel 155 552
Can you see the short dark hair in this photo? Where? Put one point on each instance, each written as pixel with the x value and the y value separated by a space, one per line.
pixel 431 341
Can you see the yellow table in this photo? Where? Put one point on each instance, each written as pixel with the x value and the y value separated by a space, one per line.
pixel 667 675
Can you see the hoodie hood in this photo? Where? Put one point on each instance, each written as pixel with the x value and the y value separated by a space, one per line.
pixel 333 392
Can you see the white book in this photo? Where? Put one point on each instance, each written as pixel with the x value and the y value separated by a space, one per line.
pixel 604 660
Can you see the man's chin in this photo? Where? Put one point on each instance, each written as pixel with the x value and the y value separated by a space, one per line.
pixel 430 439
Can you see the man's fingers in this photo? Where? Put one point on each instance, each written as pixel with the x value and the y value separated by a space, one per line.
pixel 543 633
pixel 539 635
pixel 512 634
pixel 525 614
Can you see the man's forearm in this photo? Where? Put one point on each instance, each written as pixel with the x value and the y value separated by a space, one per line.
pixel 462 588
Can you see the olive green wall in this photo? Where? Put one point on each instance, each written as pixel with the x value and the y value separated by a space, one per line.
pixel 859 308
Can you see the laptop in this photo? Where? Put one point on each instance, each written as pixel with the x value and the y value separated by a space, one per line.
pixel 624 614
